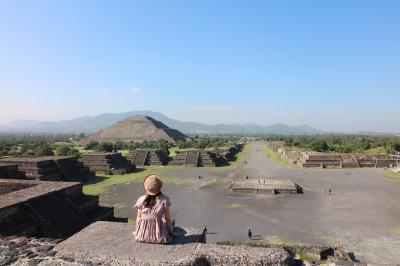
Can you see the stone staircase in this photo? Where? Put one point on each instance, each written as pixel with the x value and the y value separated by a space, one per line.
pixel 192 158
pixel 107 163
pixel 158 157
pixel 321 160
pixel 207 159
pixel 139 157
pixel 179 159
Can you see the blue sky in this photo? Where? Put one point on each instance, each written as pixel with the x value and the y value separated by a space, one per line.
pixel 332 64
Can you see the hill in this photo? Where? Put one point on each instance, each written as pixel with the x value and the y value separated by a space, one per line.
pixel 91 124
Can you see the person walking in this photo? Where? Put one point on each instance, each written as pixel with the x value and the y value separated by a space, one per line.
pixel 249 232
pixel 205 230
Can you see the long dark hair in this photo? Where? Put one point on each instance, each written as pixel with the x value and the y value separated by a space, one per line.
pixel 150 200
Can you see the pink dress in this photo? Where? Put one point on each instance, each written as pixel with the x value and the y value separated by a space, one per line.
pixel 152 227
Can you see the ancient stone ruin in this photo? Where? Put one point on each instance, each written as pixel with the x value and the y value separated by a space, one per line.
pixel 336 160
pixel 109 163
pixel 349 161
pixel 194 158
pixel 141 157
pixel 11 171
pixel 137 129
pixel 267 186
pixel 47 209
pixel 45 168
pixel 322 160
pixel 228 153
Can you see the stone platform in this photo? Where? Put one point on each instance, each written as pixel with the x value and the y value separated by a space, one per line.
pixel 46 168
pixel 113 243
pixel 267 186
pixel 109 163
pixel 47 208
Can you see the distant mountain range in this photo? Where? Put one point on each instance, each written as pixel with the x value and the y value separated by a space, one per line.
pixel 91 124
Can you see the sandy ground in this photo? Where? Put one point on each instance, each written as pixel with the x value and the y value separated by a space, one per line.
pixel 362 214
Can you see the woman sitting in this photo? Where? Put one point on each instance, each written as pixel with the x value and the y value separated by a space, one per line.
pixel 153 221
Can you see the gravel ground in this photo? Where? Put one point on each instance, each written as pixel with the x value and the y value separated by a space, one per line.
pixel 6 187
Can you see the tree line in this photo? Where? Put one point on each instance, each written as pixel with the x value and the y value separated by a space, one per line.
pixel 342 144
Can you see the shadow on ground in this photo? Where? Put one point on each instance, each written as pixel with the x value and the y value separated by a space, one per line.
pixel 181 237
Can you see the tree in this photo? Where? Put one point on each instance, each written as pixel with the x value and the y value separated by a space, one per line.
pixel 105 146
pixel 63 150
pixel 319 145
pixel 92 145
pixel 43 149
pixel 394 148
pixel 74 152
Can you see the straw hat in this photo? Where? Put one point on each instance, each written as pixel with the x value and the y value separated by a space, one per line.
pixel 152 184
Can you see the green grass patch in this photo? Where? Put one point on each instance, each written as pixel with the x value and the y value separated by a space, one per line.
pixel 123 152
pixel 82 150
pixel 276 158
pixel 273 240
pixel 305 256
pixel 238 205
pixel 392 175
pixel 394 229
pixel 101 182
pixel 376 150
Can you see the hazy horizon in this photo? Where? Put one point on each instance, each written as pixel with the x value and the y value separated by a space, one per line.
pixel 331 65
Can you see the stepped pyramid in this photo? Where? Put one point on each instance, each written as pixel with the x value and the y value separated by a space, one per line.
pixel 137 129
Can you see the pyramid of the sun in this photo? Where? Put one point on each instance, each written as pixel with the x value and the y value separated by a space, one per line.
pixel 137 129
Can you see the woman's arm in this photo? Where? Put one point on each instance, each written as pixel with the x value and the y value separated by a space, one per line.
pixel 168 220
pixel 137 218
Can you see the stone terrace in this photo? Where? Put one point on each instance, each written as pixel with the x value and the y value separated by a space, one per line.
pixel 141 157
pixel 194 158
pixel 50 209
pixel 11 171
pixel 113 243
pixel 107 163
pixel 48 168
